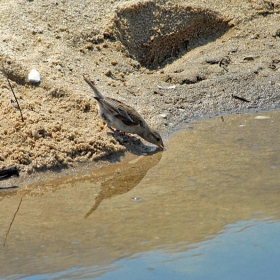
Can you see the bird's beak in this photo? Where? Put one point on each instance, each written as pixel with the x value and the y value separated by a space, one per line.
pixel 160 145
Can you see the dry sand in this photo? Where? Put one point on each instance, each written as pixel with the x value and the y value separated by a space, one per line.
pixel 199 52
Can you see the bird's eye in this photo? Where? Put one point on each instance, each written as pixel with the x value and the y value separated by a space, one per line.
pixel 158 139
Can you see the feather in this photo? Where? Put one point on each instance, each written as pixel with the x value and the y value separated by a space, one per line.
pixel 121 111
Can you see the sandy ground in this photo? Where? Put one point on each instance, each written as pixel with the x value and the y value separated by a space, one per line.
pixel 173 61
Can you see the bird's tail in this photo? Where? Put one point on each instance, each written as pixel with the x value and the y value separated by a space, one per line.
pixel 96 91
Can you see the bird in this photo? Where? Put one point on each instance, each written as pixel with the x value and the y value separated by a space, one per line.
pixel 123 117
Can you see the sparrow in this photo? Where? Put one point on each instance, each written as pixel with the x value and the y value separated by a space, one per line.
pixel 123 117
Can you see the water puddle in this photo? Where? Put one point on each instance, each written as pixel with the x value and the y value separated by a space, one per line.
pixel 207 207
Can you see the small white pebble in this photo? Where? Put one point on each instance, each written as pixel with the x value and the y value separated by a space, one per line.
pixel 136 199
pixel 163 116
pixel 261 117
pixel 170 87
pixel 34 76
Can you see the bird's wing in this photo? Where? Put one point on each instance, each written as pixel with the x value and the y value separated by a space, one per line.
pixel 122 111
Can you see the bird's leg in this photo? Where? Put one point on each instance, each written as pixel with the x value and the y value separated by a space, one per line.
pixel 116 130
pixel 111 128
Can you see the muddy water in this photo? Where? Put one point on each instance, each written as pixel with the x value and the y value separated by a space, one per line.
pixel 209 200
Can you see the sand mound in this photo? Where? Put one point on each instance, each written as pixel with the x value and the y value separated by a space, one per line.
pixel 59 127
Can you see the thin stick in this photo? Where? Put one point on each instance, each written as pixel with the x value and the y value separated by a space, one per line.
pixel 11 223
pixel 15 99
pixel 239 98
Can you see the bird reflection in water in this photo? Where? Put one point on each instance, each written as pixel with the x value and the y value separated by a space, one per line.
pixel 125 179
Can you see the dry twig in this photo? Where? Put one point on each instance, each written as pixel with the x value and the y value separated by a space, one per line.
pixel 15 98
pixel 11 223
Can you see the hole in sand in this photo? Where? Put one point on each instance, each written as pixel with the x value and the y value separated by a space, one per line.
pixel 156 35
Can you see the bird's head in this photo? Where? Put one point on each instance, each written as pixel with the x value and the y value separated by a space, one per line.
pixel 153 137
